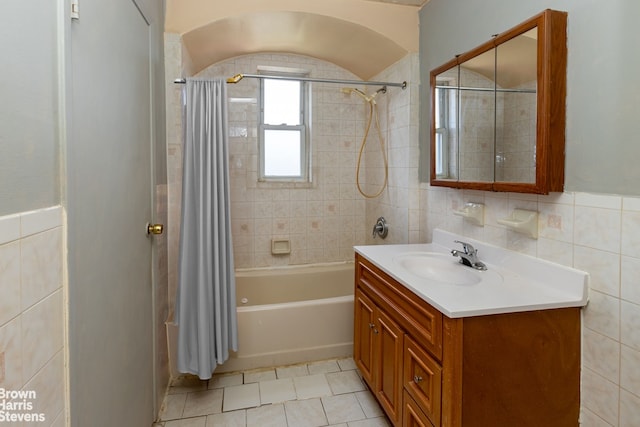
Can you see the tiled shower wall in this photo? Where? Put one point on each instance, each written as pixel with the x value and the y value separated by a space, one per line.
pixel 322 219
pixel 401 203
pixel 31 310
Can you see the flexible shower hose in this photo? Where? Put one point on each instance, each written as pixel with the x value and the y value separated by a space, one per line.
pixel 372 108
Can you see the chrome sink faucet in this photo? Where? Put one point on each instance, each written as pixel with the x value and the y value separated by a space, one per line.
pixel 469 257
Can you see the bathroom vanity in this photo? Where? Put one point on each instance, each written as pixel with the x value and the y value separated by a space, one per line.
pixel 441 344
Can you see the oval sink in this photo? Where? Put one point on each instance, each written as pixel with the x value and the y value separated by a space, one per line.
pixel 439 267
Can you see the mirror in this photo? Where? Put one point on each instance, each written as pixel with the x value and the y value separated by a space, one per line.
pixel 498 111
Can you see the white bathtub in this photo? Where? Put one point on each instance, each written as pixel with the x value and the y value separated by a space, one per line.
pixel 289 315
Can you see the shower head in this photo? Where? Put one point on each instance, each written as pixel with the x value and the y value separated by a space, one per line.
pixel 361 94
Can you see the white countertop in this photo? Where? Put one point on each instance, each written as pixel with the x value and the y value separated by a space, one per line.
pixel 513 282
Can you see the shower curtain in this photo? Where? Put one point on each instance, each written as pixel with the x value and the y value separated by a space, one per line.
pixel 206 300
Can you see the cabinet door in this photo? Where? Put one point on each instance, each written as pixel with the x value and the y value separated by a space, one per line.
pixel 423 379
pixel 389 343
pixel 412 415
pixel 364 325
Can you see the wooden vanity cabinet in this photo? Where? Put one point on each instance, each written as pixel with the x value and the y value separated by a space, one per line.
pixel 379 354
pixel 425 369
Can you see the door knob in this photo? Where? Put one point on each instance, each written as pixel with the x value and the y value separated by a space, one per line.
pixel 155 228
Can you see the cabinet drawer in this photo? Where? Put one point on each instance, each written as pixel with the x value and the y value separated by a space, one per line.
pixel 423 379
pixel 415 315
pixel 412 415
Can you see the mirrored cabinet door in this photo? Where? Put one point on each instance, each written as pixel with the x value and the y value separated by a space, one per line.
pixel 476 114
pixel 498 111
pixel 516 108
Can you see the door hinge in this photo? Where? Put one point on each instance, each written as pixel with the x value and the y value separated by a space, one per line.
pixel 75 14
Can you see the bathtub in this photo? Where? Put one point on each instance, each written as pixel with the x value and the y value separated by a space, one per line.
pixel 289 315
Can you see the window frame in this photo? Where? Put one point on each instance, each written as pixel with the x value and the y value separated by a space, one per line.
pixel 442 98
pixel 301 128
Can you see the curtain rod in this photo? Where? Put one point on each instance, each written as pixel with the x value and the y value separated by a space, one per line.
pixel 238 77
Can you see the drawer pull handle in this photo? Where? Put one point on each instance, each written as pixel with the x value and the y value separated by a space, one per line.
pixel 375 331
pixel 371 325
pixel 417 379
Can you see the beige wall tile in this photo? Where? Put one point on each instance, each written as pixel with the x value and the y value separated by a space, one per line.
pixel 600 396
pixel 601 354
pixel 42 333
pixel 629 372
pixel 629 409
pixel 9 228
pixel 48 384
pixel 604 268
pixel 629 283
pixel 630 324
pixel 11 346
pixel 41 260
pixel 597 228
pixel 9 281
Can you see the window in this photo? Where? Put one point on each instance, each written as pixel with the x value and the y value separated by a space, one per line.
pixel 441 134
pixel 284 154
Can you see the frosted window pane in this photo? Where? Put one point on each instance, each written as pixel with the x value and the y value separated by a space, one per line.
pixel 282 102
pixel 282 153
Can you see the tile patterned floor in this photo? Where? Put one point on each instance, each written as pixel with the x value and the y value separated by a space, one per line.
pixel 324 393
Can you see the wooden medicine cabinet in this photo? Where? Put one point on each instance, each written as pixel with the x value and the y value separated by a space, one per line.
pixel 498 111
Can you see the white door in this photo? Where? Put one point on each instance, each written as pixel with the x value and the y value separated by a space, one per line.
pixel 109 203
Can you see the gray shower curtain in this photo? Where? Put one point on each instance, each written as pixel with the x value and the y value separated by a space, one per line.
pixel 206 300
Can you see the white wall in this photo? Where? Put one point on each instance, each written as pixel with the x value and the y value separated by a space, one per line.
pixel 29 177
